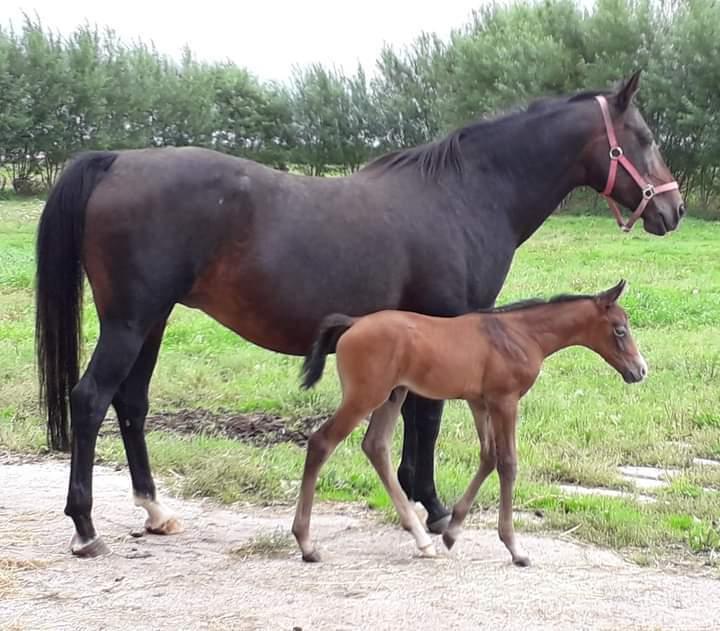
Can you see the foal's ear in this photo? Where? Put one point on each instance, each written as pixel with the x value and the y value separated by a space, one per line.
pixel 627 91
pixel 612 295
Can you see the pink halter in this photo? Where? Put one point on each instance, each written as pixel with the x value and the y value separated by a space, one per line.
pixel 616 155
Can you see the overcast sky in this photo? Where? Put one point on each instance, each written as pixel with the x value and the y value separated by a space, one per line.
pixel 266 36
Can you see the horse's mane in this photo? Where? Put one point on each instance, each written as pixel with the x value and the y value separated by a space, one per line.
pixel 431 158
pixel 445 155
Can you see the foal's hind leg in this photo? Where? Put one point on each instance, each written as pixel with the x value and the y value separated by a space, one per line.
pixel 115 353
pixel 376 446
pixel 487 465
pixel 131 405
pixel 320 445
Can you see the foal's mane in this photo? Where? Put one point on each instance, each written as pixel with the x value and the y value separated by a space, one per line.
pixel 536 302
pixel 445 155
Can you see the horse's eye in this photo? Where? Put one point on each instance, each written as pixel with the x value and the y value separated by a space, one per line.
pixel 620 331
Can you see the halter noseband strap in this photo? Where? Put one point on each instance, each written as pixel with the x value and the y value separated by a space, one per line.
pixel 617 156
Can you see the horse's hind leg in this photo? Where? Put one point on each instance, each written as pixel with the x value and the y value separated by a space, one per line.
pixel 376 446
pixel 487 465
pixel 116 351
pixel 131 405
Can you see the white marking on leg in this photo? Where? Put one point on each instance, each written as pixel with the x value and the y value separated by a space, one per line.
pixel 160 519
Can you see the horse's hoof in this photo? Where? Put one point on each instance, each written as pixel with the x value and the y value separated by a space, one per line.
pixel 88 549
pixel 448 539
pixel 438 526
pixel 428 551
pixel 311 557
pixel 171 526
pixel 522 561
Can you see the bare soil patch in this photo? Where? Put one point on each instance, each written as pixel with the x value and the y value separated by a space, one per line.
pixel 256 429
pixel 235 567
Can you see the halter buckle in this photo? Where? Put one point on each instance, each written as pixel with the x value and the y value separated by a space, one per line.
pixel 616 153
pixel 649 191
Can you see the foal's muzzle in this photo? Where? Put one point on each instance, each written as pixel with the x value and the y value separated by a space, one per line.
pixel 635 371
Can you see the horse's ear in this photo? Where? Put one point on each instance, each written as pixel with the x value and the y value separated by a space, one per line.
pixel 627 91
pixel 612 295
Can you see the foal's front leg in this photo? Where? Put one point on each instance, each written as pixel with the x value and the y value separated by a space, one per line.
pixel 487 465
pixel 503 416
pixel 376 446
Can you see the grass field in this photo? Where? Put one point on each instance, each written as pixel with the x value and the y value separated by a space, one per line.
pixel 577 425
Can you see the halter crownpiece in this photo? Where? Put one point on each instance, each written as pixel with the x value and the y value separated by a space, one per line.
pixel 617 155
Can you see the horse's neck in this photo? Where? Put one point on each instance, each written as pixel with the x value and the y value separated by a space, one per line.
pixel 539 163
pixel 555 326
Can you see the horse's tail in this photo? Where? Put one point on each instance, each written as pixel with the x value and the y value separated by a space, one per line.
pixel 331 328
pixel 59 288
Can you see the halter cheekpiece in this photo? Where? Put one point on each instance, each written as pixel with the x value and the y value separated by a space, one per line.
pixel 618 156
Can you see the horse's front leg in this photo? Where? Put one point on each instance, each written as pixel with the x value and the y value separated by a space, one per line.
pixel 424 415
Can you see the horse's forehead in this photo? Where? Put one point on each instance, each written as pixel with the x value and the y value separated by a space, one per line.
pixel 616 311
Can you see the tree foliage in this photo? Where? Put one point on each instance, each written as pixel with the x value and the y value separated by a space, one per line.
pixel 91 90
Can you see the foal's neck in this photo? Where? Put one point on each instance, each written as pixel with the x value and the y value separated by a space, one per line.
pixel 557 326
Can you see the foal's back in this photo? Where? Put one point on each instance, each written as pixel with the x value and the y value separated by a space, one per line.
pixel 439 358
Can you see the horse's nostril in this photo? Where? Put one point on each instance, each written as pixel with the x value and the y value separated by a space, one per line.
pixel 681 210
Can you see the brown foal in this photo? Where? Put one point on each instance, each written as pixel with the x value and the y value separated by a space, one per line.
pixel 490 359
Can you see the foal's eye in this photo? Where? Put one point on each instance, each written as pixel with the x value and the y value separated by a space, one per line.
pixel 619 331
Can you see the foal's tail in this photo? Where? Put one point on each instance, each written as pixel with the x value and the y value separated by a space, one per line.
pixel 331 328
pixel 59 288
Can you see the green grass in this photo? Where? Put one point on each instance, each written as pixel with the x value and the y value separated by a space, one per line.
pixel 577 425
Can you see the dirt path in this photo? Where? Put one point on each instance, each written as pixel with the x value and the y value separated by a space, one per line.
pixel 370 577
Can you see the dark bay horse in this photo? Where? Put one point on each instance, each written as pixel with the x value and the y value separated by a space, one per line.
pixel 490 359
pixel 431 229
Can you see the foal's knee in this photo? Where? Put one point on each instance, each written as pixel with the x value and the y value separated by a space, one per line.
pixel 506 467
pixel 318 447
pixel 372 447
pixel 488 458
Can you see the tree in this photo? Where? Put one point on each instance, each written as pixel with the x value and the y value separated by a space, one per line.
pixel 405 94
pixel 250 119
pixel 511 55
pixel 319 100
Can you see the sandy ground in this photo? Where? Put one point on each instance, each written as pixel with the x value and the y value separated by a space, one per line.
pixel 371 577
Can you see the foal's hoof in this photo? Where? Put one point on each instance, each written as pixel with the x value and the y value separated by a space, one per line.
pixel 88 549
pixel 171 526
pixel 311 557
pixel 428 552
pixel 438 526
pixel 448 539
pixel 522 561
